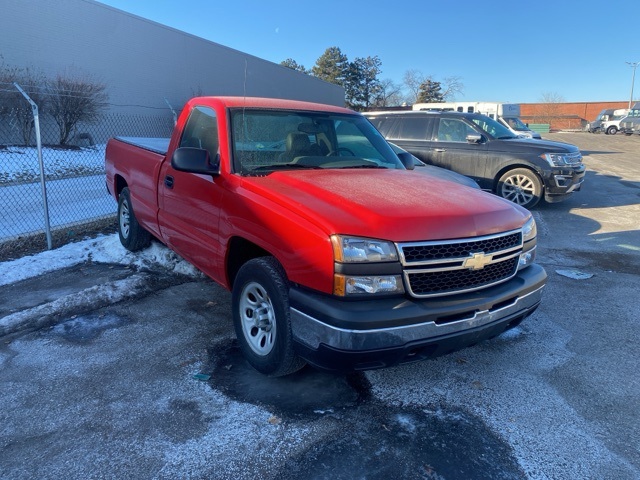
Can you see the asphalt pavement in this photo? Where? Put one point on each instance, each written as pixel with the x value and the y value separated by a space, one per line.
pixel 153 386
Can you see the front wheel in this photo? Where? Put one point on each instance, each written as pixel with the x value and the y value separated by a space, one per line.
pixel 612 130
pixel 521 186
pixel 260 308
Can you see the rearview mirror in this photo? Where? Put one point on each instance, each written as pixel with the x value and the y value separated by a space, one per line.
pixel 474 138
pixel 195 160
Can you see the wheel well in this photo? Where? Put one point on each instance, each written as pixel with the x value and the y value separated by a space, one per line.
pixel 513 167
pixel 240 251
pixel 121 183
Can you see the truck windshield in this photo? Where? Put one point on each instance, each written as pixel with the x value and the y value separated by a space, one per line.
pixel 516 124
pixel 492 128
pixel 265 141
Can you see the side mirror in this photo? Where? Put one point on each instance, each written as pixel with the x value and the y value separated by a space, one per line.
pixel 474 138
pixel 407 160
pixel 195 160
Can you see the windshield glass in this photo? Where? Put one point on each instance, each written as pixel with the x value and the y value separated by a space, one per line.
pixel 516 124
pixel 268 140
pixel 493 128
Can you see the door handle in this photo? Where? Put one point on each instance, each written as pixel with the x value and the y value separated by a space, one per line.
pixel 440 150
pixel 168 181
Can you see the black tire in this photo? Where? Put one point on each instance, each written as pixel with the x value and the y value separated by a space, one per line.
pixel 521 186
pixel 132 236
pixel 612 130
pixel 260 306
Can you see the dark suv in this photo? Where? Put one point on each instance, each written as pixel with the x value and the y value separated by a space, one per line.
pixel 518 169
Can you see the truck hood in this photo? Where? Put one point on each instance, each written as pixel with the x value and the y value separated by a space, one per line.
pixel 397 205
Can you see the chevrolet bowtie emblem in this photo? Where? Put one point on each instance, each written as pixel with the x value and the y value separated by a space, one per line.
pixel 477 261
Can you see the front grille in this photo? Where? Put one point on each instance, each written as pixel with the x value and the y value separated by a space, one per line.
pixel 454 281
pixel 434 269
pixel 429 251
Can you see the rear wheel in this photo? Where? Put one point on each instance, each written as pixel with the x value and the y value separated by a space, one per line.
pixel 521 186
pixel 132 236
pixel 260 306
pixel 612 130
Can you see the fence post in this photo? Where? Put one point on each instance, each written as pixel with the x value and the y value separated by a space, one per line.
pixel 43 185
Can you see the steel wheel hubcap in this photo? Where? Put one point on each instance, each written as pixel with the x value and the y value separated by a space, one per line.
pixel 124 219
pixel 258 318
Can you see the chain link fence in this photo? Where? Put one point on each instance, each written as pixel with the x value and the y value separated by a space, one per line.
pixel 74 178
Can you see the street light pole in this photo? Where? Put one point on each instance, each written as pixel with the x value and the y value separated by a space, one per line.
pixel 633 65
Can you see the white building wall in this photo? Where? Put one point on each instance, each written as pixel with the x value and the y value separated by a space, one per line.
pixel 140 61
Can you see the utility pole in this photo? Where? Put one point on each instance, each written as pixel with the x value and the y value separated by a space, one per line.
pixel 633 65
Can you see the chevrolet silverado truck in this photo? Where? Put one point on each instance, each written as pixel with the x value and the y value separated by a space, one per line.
pixel 335 253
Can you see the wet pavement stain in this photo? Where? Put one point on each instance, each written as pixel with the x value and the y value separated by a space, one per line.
pixel 379 442
pixel 307 392
pixel 369 439
pixel 85 328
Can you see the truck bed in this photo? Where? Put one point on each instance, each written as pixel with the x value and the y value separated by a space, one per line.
pixel 153 144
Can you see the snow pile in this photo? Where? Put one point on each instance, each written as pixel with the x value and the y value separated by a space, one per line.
pixel 19 164
pixel 103 249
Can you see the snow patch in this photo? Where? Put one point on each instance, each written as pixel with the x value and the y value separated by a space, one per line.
pixel 102 249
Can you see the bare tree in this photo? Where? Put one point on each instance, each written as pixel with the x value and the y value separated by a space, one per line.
pixel 549 108
pixel 412 80
pixel 451 86
pixel 72 101
pixel 13 106
pixel 415 81
pixel 389 94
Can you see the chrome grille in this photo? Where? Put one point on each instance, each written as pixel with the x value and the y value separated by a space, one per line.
pixel 429 251
pixel 452 281
pixel 433 269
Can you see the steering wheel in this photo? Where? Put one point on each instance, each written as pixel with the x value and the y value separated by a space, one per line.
pixel 337 151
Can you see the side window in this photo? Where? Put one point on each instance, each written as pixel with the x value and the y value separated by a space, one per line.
pixel 412 128
pixel 201 131
pixel 453 130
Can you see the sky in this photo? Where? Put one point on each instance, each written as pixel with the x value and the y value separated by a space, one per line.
pixel 504 51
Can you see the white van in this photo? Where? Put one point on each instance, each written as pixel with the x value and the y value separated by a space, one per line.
pixel 507 114
pixel 611 126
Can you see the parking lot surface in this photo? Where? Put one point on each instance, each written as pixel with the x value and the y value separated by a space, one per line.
pixel 153 386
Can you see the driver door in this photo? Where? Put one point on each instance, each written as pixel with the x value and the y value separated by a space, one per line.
pixel 451 149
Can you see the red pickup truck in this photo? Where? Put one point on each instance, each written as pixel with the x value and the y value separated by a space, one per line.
pixel 335 252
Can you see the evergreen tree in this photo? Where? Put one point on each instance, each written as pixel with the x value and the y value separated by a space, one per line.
pixel 363 86
pixel 293 65
pixel 332 66
pixel 430 92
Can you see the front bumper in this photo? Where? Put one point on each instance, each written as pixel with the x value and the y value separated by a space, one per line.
pixel 362 335
pixel 559 183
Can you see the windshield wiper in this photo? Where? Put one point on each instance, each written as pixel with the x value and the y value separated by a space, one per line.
pixel 284 166
pixel 363 166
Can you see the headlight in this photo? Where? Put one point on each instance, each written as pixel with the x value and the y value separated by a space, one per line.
pixel 562 159
pixel 357 250
pixel 529 233
pixel 529 230
pixel 353 278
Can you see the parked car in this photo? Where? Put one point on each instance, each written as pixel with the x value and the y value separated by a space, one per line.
pixel 518 169
pixel 433 171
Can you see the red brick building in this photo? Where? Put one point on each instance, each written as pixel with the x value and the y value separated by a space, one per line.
pixel 565 116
